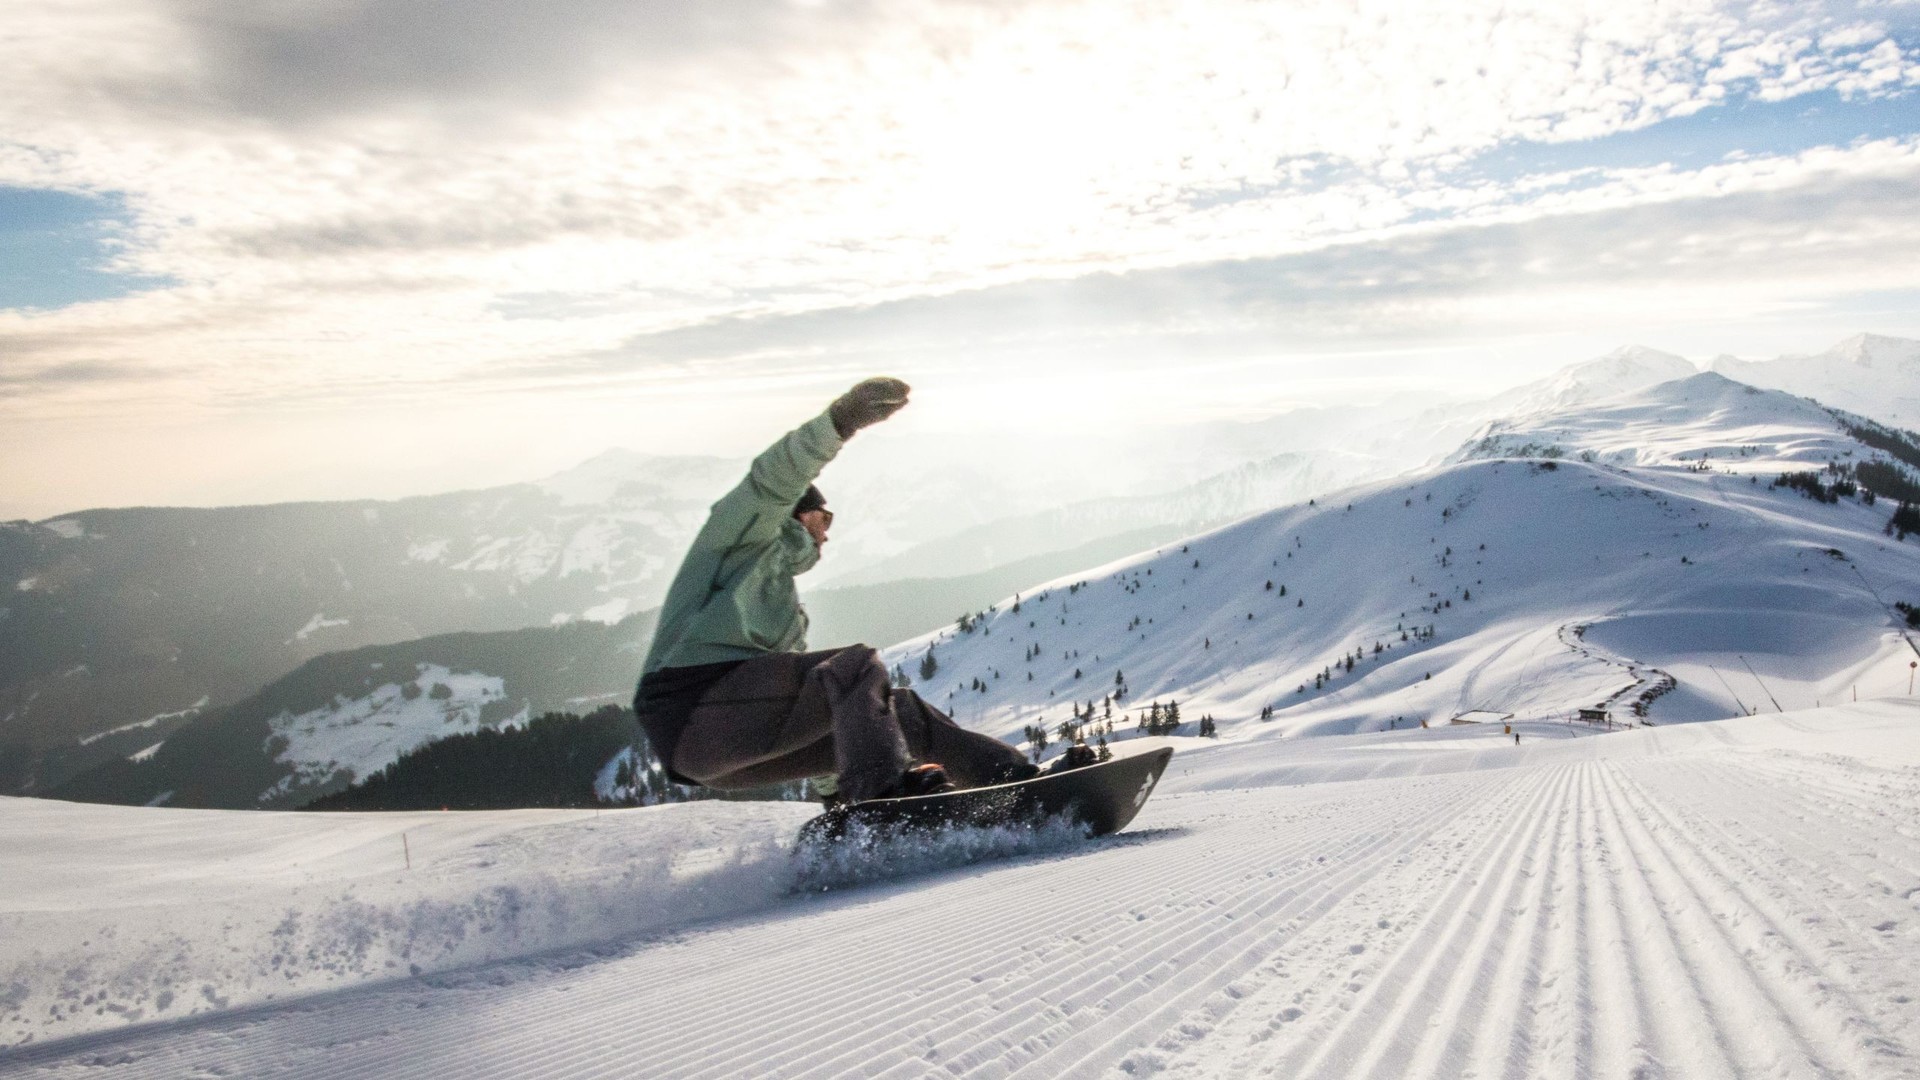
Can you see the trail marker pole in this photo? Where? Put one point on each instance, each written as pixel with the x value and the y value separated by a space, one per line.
pixel 405 850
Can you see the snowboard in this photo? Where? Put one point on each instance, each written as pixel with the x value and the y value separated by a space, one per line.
pixel 1102 797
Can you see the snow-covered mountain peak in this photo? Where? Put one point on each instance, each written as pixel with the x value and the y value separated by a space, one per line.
pixel 1876 351
pixel 1621 371
pixel 1705 416
pixel 1870 374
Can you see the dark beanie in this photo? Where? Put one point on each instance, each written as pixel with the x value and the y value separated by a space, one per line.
pixel 812 500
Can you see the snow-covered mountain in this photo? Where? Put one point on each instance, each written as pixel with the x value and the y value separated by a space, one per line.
pixel 1704 418
pixel 346 715
pixel 1622 371
pixel 1870 374
pixel 118 626
pixel 1632 552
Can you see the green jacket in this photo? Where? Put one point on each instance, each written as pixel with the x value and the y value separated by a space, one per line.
pixel 734 598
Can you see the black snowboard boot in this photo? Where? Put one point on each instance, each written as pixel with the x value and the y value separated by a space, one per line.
pixel 927 779
pixel 1077 756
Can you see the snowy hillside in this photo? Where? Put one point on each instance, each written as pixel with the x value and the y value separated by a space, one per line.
pixel 1636 543
pixel 1875 376
pixel 1721 899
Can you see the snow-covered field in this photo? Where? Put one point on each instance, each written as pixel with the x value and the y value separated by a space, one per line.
pixel 1737 898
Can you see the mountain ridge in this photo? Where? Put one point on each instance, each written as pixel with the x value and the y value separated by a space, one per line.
pixel 1553 565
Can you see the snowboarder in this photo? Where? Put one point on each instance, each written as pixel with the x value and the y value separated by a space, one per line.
pixel 728 695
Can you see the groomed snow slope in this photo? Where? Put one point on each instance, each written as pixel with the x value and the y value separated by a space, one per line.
pixel 1566 560
pixel 1739 898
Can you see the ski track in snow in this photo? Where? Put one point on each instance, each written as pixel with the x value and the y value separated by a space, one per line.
pixel 1741 899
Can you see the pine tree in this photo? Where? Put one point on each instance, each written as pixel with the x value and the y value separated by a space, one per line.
pixel 1906 519
pixel 1037 738
pixel 928 666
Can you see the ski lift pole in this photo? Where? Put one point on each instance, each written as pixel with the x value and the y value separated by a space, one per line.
pixel 1888 608
pixel 1744 711
pixel 1763 685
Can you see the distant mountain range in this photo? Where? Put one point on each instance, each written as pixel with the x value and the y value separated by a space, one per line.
pixel 118 625
pixel 123 627
pixel 345 715
pixel 1875 376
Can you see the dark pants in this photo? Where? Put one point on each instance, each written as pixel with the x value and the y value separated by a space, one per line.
pixel 786 716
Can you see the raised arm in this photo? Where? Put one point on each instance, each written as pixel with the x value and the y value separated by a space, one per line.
pixel 754 511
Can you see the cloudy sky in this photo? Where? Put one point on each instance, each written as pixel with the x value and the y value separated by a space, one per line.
pixel 316 248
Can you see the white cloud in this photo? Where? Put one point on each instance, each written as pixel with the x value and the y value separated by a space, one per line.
pixel 365 201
